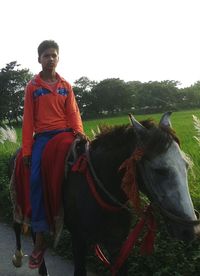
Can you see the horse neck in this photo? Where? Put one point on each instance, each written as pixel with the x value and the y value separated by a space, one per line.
pixel 106 164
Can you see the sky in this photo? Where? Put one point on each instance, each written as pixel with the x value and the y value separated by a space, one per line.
pixel 134 40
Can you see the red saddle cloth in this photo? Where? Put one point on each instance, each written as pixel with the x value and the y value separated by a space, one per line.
pixel 20 191
pixel 53 167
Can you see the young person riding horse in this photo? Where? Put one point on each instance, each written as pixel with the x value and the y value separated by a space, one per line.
pixel 49 108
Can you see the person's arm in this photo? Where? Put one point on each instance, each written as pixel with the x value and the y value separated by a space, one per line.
pixel 27 126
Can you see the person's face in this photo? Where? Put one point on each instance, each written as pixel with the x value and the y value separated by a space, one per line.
pixel 49 59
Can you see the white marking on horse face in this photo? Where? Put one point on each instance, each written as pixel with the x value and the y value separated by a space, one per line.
pixel 173 190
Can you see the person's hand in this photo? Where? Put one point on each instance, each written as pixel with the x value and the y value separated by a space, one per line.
pixel 27 161
pixel 81 136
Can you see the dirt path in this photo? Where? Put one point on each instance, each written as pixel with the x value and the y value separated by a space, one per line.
pixel 55 264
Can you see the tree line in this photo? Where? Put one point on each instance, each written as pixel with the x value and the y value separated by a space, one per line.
pixel 108 97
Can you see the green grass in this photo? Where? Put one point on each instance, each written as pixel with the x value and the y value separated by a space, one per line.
pixel 170 257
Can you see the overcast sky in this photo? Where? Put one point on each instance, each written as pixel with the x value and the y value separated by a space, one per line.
pixel 144 40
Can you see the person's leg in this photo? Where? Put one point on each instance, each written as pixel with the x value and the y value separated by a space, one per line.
pixel 39 223
pixel 38 217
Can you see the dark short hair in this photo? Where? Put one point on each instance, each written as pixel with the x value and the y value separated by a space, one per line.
pixel 46 44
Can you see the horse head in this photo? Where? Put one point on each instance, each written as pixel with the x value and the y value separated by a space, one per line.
pixel 162 175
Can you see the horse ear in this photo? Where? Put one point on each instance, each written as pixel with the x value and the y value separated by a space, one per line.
pixel 165 119
pixel 135 123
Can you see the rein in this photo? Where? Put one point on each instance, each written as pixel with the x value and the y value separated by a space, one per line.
pixel 177 219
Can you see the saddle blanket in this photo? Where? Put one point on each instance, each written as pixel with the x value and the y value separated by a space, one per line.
pixel 53 169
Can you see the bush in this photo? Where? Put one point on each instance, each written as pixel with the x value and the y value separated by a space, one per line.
pixel 5 202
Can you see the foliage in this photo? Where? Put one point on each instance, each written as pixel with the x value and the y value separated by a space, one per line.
pixel 4 188
pixel 170 257
pixel 12 84
pixel 157 96
pixel 6 151
pixel 111 96
pixel 82 89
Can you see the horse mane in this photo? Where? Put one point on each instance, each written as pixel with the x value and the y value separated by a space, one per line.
pixel 159 138
pixel 156 139
pixel 114 136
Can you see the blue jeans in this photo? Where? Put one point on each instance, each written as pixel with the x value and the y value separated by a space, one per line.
pixel 39 221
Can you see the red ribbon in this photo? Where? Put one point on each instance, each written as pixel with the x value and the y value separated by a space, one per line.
pixel 146 248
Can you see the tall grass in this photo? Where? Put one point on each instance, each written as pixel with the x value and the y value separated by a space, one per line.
pixel 7 148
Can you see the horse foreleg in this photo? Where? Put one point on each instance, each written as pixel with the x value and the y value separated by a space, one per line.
pixel 79 253
pixel 42 269
pixel 17 257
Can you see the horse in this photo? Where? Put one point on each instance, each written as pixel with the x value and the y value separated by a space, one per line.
pixel 102 192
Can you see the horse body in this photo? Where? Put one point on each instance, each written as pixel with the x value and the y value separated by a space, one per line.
pixel 161 174
pixel 90 224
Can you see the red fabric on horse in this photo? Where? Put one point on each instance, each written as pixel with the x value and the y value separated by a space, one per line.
pixel 20 191
pixel 53 167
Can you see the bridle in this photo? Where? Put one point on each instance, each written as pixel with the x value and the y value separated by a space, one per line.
pixel 175 218
pixel 157 205
pixel 167 214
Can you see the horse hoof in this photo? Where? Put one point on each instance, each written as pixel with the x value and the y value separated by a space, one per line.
pixel 17 258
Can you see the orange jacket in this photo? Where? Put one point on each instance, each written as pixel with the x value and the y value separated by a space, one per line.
pixel 48 108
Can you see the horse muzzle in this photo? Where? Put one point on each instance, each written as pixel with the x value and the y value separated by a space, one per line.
pixel 184 229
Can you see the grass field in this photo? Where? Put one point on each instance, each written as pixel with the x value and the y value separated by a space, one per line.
pixel 170 257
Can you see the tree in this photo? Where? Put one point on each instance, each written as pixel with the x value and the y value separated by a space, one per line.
pixel 12 84
pixel 157 96
pixel 191 96
pixel 82 90
pixel 111 96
